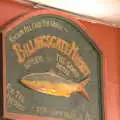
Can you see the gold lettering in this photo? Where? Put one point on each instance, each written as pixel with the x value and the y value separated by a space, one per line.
pixel 19 52
pixel 70 49
pixel 74 50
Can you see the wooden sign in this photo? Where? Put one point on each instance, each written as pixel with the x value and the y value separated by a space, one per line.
pixel 51 69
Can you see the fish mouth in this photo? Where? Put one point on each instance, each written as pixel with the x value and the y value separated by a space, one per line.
pixel 27 83
pixel 24 82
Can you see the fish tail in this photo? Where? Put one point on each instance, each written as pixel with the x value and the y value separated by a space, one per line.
pixel 85 94
pixel 81 89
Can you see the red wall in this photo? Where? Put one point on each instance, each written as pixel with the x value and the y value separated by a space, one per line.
pixel 107 39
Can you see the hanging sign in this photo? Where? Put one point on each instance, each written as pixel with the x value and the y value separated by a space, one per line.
pixel 51 69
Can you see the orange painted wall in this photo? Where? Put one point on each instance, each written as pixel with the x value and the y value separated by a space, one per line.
pixel 107 39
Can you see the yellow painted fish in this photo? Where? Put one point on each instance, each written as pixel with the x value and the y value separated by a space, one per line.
pixel 52 84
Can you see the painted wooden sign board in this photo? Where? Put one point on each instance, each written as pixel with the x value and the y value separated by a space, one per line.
pixel 51 69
